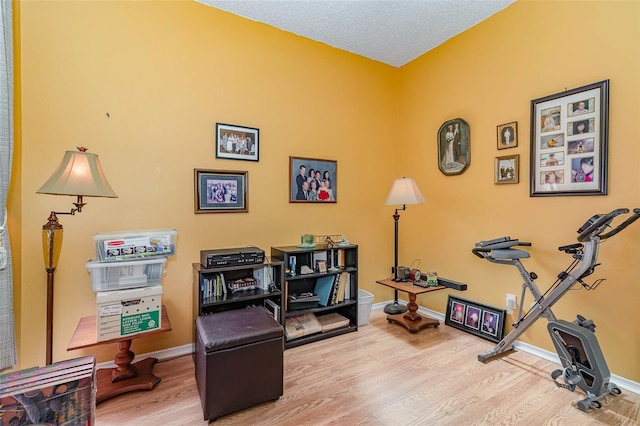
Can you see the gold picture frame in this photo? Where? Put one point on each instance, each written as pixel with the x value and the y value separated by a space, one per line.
pixel 507 169
pixel 508 135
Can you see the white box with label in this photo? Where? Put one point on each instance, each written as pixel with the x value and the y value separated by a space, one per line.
pixel 123 313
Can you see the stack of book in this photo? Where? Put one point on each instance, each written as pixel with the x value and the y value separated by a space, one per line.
pixel 333 289
pixel 62 393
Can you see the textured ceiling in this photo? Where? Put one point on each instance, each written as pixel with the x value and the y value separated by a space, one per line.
pixel 390 31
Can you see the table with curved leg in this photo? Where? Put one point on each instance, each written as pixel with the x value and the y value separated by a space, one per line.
pixel 411 320
pixel 125 377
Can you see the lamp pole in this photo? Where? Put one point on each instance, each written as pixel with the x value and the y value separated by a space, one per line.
pixel 395 307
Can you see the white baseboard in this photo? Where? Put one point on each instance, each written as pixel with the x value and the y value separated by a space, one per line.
pixel 621 382
pixel 187 349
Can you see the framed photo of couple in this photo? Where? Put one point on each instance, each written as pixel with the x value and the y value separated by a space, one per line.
pixel 569 138
pixel 475 318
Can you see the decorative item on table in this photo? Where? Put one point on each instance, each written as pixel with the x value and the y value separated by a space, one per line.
pixel 432 278
pixel 292 266
pixel 403 191
pixel 343 242
pixel 305 300
pixel 243 284
pixel 307 241
pixel 321 266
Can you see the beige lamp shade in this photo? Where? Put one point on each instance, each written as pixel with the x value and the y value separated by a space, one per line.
pixel 79 173
pixel 404 191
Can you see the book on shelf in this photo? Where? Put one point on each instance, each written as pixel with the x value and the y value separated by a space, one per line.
pixel 62 393
pixel 301 325
pixel 342 285
pixel 332 321
pixel 325 289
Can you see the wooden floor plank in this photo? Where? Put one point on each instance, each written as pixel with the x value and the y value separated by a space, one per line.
pixel 384 376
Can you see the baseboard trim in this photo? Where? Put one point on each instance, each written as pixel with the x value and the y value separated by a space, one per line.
pixel 187 349
pixel 621 382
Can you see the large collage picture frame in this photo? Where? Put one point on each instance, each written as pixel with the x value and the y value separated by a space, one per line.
pixel 569 136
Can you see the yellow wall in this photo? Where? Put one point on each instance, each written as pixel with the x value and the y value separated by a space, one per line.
pixel 166 72
pixel 488 76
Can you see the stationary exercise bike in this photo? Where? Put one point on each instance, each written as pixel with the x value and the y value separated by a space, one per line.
pixel 576 343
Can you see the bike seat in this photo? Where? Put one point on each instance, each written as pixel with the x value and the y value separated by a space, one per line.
pixel 509 254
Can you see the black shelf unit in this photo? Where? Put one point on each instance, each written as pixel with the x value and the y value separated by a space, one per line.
pixel 240 299
pixel 342 259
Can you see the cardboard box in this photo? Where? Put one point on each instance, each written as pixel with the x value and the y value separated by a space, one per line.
pixel 124 313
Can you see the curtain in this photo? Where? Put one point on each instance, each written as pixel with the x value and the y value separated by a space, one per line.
pixel 7 324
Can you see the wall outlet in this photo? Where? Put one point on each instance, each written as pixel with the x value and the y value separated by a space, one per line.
pixel 511 302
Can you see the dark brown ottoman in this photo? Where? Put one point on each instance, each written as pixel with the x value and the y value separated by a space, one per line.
pixel 239 360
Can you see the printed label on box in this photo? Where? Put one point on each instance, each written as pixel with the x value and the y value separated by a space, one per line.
pixel 140 322
pixel 108 310
pixel 130 247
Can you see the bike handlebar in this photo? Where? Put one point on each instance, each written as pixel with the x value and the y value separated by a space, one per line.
pixel 597 224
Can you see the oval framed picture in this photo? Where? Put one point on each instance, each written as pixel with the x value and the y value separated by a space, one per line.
pixel 454 151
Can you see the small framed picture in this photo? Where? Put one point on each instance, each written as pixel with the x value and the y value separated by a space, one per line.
pixel 507 169
pixel 312 180
pixel 237 142
pixel 475 318
pixel 220 191
pixel 508 135
pixel 321 266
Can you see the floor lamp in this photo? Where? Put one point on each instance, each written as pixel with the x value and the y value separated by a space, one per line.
pixel 403 191
pixel 79 174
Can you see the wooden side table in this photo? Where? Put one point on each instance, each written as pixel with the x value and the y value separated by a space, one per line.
pixel 126 377
pixel 412 320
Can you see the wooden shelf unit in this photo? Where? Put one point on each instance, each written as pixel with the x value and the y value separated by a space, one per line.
pixel 240 299
pixel 345 259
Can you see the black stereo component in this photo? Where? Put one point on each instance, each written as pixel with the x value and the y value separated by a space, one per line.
pixel 452 284
pixel 219 258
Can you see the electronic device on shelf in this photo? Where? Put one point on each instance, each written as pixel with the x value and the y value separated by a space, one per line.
pixel 219 258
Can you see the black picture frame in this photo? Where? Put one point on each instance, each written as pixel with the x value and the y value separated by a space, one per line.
pixel 220 191
pixel 454 149
pixel 325 179
pixel 569 139
pixel 476 318
pixel 235 142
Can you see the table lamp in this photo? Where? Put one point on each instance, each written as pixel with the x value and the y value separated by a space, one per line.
pixel 403 191
pixel 79 174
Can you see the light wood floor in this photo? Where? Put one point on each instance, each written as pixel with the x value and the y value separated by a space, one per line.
pixel 384 376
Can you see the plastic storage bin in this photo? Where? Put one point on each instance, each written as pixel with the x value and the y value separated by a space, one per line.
pixel 107 276
pixel 365 302
pixel 127 245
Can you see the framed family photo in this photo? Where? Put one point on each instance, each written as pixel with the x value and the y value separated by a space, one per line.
pixel 312 180
pixel 507 169
pixel 237 142
pixel 569 138
pixel 475 318
pixel 508 135
pixel 220 191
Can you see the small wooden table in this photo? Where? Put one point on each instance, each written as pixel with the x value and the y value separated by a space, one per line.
pixel 412 320
pixel 126 377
